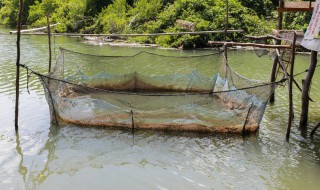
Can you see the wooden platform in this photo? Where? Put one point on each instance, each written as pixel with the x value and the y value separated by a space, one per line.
pixel 297 6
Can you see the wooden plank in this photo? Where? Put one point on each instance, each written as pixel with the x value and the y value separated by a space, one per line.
pixel 136 35
pixel 287 35
pixel 297 6
pixel 232 44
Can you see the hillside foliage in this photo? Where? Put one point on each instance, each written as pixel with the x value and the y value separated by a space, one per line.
pixel 153 16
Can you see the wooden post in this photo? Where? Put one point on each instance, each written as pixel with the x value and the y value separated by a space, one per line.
pixel 291 110
pixel 278 42
pixel 49 41
pixel 16 121
pixel 227 21
pixel 280 15
pixel 314 129
pixel 305 91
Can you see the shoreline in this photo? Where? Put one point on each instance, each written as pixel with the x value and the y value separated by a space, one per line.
pixel 98 41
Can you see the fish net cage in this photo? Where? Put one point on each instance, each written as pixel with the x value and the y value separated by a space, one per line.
pixel 199 93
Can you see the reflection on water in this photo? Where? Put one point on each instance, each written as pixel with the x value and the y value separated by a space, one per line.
pixel 69 157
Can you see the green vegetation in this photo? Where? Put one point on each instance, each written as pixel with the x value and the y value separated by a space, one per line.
pixel 150 16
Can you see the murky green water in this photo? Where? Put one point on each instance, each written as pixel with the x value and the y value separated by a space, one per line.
pixel 70 157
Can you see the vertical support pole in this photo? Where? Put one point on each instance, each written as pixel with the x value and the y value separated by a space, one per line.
pixel 278 42
pixel 273 75
pixel 291 110
pixel 305 91
pixel 226 59
pixel 227 21
pixel 49 41
pixel 280 15
pixel 16 121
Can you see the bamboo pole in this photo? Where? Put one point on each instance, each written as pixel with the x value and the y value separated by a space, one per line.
pixel 136 35
pixel 16 121
pixel 305 91
pixel 291 109
pixel 49 41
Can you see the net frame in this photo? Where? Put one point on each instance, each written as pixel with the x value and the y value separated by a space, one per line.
pixel 250 123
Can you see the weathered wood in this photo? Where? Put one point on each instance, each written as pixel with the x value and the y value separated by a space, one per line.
pixel 34 29
pixel 287 35
pixel 305 91
pixel 231 44
pixel 49 41
pixel 16 121
pixel 136 35
pixel 296 6
pixel 280 15
pixel 273 77
pixel 291 110
pixel 267 37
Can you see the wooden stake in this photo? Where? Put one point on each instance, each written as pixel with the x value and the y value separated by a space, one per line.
pixel 291 110
pixel 227 21
pixel 16 121
pixel 273 76
pixel 49 41
pixel 280 15
pixel 314 129
pixel 305 91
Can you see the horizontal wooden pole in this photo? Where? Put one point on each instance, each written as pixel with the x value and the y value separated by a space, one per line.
pixel 267 37
pixel 34 29
pixel 231 44
pixel 135 35
pixel 295 9
pixel 297 6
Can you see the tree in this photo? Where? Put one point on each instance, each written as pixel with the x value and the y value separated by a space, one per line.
pixel 69 13
pixel 9 12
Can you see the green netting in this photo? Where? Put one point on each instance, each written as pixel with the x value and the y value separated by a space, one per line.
pixel 146 90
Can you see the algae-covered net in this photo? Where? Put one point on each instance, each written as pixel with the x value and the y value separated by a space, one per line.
pixel 152 91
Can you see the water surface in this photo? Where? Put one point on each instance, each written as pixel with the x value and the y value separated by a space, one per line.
pixel 70 157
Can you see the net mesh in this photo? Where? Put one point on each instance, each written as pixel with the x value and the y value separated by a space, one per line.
pixel 151 91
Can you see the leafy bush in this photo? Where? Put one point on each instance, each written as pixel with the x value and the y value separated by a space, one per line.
pixel 255 17
pixel 69 13
pixel 9 12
